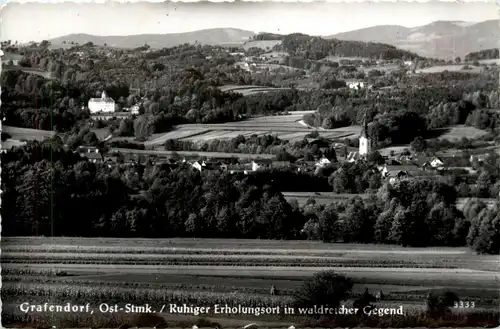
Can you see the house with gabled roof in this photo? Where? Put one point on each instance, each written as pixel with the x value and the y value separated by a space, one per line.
pixel 261 163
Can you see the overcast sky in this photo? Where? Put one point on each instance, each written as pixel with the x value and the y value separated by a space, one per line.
pixel 38 21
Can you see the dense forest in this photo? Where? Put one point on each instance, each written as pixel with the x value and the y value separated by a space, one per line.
pixel 483 54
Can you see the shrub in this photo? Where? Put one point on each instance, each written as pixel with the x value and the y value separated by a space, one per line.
pixel 439 304
pixel 324 288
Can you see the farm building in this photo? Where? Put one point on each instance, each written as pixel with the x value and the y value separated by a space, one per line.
pixel 261 163
pixel 356 84
pixel 104 104
pixel 323 162
pixel 392 171
pixel 85 150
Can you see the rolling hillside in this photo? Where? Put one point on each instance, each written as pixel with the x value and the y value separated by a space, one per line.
pixel 441 39
pixel 218 36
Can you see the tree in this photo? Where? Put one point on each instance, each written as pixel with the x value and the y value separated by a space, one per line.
pixel 324 288
pixel 439 304
pixel 419 144
pixel 375 157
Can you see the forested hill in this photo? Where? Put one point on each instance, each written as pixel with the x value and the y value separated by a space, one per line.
pixel 483 54
pixel 297 44
pixel 317 48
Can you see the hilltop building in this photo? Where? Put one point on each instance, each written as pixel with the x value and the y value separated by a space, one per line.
pixel 103 104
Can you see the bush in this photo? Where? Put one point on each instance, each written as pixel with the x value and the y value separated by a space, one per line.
pixel 324 288
pixel 439 304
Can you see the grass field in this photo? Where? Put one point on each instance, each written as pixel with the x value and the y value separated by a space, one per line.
pixel 450 68
pixel 101 133
pixel 26 133
pixel 460 131
pixel 262 44
pixel 286 127
pixel 251 89
pixel 208 271
pixel 320 197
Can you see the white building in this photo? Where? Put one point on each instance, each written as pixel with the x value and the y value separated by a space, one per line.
pixel 261 163
pixel 103 104
pixel 436 162
pixel 364 140
pixel 355 85
pixel 134 109
pixel 323 162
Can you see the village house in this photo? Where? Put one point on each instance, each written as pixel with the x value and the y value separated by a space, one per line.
pixel 261 164
pixel 355 84
pixel 388 171
pixel 104 104
pixel 478 157
pixel 85 150
pixel 436 162
pixel 323 162
pixel 305 166
pixel 94 157
pixel 399 175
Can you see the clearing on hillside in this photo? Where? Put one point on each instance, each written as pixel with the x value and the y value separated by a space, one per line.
pixel 262 44
pixel 27 133
pixel 451 68
pixel 460 131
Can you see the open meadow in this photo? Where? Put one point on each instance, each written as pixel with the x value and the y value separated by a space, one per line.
pixel 451 68
pixel 459 131
pixel 262 44
pixel 248 90
pixel 286 127
pixel 26 133
pixel 205 272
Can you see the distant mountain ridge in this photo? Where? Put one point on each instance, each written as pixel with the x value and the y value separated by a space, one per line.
pixel 218 36
pixel 296 44
pixel 440 39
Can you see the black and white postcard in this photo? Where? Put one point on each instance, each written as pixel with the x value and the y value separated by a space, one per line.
pixel 250 164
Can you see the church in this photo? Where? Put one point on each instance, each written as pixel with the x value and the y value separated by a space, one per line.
pixel 365 146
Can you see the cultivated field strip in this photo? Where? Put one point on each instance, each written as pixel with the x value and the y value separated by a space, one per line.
pixel 286 271
pixel 220 260
pixel 176 134
pixel 334 252
pixel 224 244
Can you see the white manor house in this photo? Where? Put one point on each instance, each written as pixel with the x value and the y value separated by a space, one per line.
pixel 103 104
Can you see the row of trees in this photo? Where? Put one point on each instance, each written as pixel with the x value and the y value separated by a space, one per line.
pixel 266 144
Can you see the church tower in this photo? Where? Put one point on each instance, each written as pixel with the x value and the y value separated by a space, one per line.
pixel 364 140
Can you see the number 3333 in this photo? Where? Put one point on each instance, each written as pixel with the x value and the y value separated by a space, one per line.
pixel 466 304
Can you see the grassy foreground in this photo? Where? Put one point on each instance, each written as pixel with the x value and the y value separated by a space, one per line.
pixel 235 272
